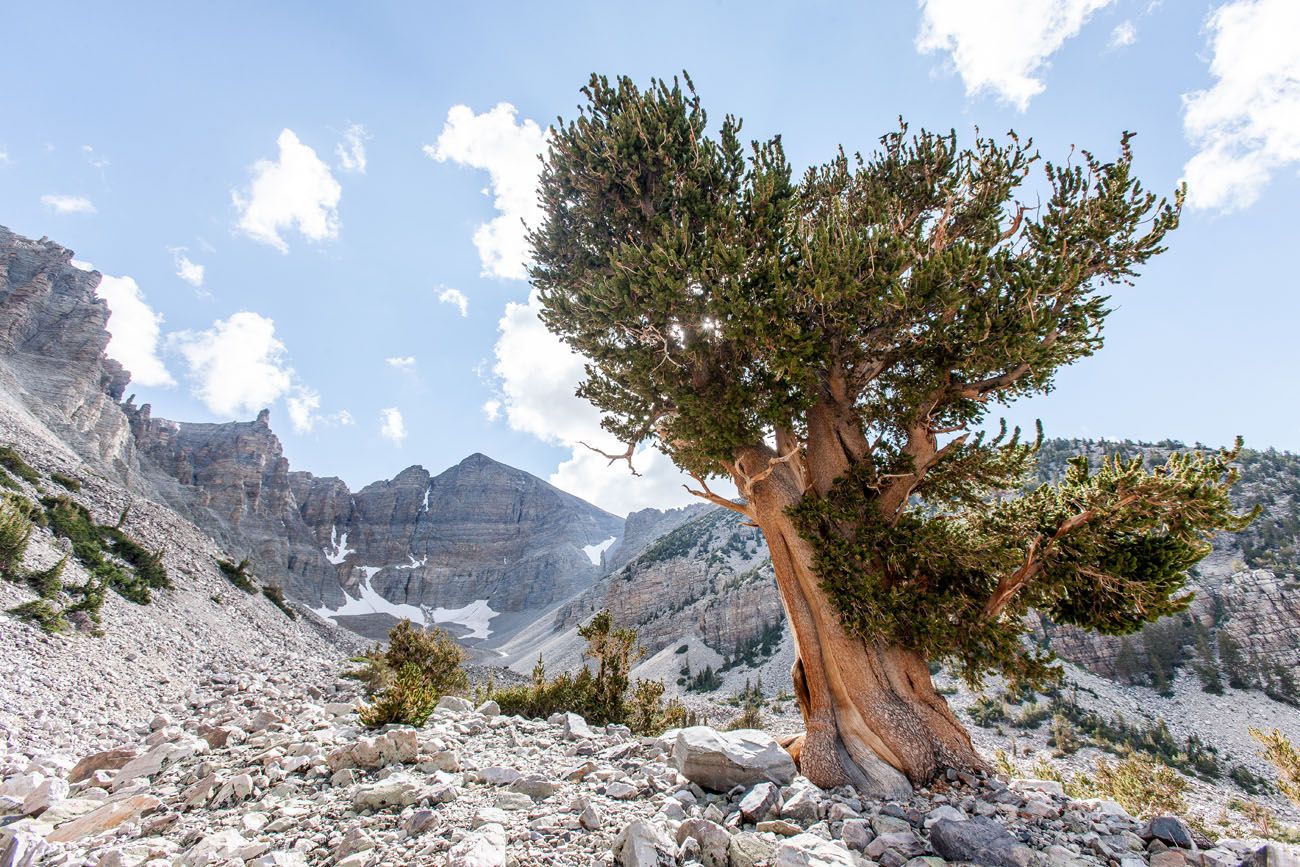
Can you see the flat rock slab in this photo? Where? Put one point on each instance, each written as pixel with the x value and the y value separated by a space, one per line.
pixel 104 819
pixel 719 761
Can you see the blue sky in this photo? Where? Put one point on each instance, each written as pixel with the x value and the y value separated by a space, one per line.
pixel 151 136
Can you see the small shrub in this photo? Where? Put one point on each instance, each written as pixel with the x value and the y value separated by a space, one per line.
pixel 66 481
pixel 14 463
pixel 987 711
pixel 48 582
pixel 601 696
pixel 238 574
pixel 1003 764
pixel 703 681
pixel 1281 754
pixel 1062 736
pixel 374 673
pixel 15 532
pixel 147 564
pixel 1033 715
pixel 1143 786
pixel 276 595
pixel 408 700
pixel 418 667
pixel 41 613
pixel 8 481
pixel 1248 781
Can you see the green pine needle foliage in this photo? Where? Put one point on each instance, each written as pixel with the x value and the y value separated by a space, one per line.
pixel 874 310
pixel 114 560
pixel 600 692
pixel 407 678
pixel 66 481
pixel 274 593
pixel 238 574
pixel 1285 758
pixel 14 463
pixel 15 531
pixel 41 613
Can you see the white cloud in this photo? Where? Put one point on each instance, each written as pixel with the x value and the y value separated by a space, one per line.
pixel 391 425
pixel 401 362
pixel 4 158
pixel 456 298
pixel 352 150
pixel 536 376
pixel 1124 34
pixel 95 161
pixel 508 151
pixel 1002 46
pixel 61 204
pixel 1247 125
pixel 82 265
pixel 304 411
pixel 135 328
pixel 186 269
pixel 295 191
pixel 238 366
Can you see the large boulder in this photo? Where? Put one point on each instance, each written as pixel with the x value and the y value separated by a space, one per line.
pixel 643 844
pixel 719 761
pixel 979 841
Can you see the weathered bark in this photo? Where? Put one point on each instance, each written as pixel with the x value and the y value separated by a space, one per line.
pixel 872 716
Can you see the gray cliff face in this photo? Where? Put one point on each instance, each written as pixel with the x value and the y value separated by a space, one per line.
pixel 52 342
pixel 479 531
pixel 233 480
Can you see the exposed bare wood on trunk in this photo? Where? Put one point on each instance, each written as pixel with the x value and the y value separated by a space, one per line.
pixel 873 718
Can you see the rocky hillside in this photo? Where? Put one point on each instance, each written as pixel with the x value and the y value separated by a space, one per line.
pixel 269 771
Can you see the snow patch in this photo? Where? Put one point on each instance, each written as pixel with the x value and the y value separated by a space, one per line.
pixel 475 617
pixel 593 552
pixel 340 546
pixel 414 564
pixel 370 602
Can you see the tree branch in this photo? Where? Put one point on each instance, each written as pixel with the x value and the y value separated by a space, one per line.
pixel 706 494
pixel 613 459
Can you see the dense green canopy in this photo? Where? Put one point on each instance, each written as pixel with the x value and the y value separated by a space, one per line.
pixel 880 303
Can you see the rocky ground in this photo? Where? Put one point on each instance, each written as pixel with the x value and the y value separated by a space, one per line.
pixel 269 767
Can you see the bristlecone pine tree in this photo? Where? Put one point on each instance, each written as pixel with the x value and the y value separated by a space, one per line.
pixel 831 345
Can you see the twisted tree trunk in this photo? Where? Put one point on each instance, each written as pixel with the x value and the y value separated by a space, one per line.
pixel 872 716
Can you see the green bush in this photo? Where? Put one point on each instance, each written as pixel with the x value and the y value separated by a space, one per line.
pixel 66 481
pixel 1145 787
pixel 238 574
pixel 8 481
pixel 602 696
pixel 276 595
pixel 1282 755
pixel 143 570
pixel 418 667
pixel 147 564
pixel 408 700
pixel 14 463
pixel 1248 781
pixel 15 531
pixel 48 582
pixel 41 613
pixel 703 681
